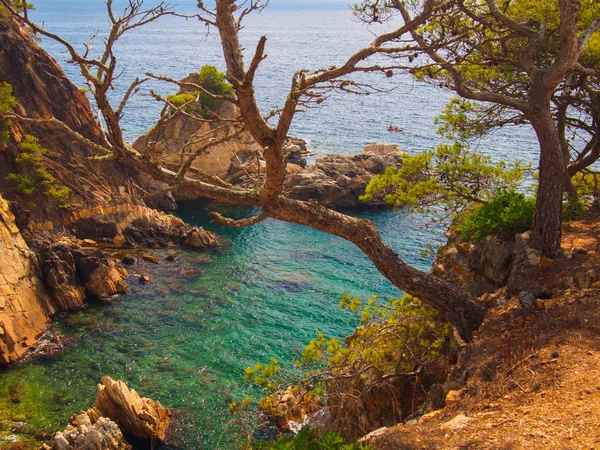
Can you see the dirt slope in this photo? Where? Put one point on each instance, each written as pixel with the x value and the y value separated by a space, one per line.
pixel 532 383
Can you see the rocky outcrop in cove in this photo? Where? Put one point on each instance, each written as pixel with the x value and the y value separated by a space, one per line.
pixel 103 434
pixel 137 416
pixel 339 180
pixel 72 271
pixel 118 413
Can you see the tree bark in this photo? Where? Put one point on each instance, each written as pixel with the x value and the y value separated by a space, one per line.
pixel 547 220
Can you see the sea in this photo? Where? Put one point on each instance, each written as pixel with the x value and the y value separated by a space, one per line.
pixel 186 337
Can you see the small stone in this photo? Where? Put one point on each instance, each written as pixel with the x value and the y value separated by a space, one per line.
pixel 460 421
pixel 533 257
pixel 583 278
pixel 555 355
pixel 171 257
pixel 568 281
pixel 527 299
pixel 452 397
pixel 430 415
pixel 144 278
pixel 89 243
pixel 152 259
pixel 545 262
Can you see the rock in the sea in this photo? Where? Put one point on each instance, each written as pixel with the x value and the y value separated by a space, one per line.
pixel 144 278
pixel 339 180
pixel 128 260
pixel 136 416
pixel 150 258
pixel 103 434
pixel 72 271
pixel 381 149
pixel 199 238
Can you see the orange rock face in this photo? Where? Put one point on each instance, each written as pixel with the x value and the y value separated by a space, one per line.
pixel 24 304
pixel 136 416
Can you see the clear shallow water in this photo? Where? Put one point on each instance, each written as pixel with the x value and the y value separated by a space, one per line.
pixel 186 337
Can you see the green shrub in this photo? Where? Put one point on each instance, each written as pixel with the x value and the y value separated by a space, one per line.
pixel 508 212
pixel 214 82
pixel 32 177
pixel 311 439
pixel 7 103
pixel 178 100
pixel 200 102
pixel 451 178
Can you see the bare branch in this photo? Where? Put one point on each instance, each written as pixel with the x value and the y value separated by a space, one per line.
pixel 240 223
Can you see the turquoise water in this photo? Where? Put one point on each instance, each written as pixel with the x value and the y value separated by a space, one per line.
pixel 187 336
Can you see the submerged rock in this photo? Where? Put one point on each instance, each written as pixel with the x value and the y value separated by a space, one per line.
pixel 199 238
pixel 138 417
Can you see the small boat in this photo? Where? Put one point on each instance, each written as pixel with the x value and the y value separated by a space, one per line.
pixel 395 128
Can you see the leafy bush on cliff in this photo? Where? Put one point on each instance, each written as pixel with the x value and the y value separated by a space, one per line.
pixel 508 212
pixel 7 103
pixel 32 177
pixel 214 83
pixel 211 79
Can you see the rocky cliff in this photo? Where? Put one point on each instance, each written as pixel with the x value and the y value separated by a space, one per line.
pixel 43 91
pixel 50 259
pixel 24 303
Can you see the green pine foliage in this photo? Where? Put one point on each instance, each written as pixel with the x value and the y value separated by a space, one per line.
pixel 213 81
pixel 392 337
pixel 508 212
pixel 18 5
pixel 311 439
pixel 7 103
pixel 32 178
pixel 450 177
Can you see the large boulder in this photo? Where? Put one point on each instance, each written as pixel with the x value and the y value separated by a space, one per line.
pixel 82 434
pixel 72 270
pixel 494 262
pixel 138 417
pixel 339 180
pixel 382 149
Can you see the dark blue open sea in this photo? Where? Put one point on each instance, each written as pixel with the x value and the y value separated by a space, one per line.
pixel 186 337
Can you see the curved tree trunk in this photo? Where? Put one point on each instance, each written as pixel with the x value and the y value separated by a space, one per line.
pixel 455 304
pixel 547 220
